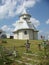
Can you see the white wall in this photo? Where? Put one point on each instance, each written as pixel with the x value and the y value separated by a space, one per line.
pixel 20 35
pixel 15 36
pixel 35 35
pixel 30 35
pixel 27 35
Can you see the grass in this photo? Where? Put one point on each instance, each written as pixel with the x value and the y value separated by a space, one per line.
pixel 19 46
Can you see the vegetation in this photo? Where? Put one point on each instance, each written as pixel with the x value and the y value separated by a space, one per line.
pixel 38 53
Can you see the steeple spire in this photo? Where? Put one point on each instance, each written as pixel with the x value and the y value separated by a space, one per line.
pixel 24 11
pixel 25 14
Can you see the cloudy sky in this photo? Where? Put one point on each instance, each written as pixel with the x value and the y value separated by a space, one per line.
pixel 38 9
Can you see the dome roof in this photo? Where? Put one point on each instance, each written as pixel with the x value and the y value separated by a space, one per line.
pixel 24 25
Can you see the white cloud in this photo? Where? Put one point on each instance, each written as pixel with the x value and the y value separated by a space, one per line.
pixel 15 24
pixel 35 22
pixel 10 8
pixel 47 22
pixel 29 3
pixel 6 28
pixel 25 4
pixel 7 8
pixel 47 32
pixel 40 31
pixel 48 37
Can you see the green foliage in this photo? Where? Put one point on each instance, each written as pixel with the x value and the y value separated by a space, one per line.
pixel 3 58
pixel 4 41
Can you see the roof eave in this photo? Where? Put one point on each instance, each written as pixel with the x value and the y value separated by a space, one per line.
pixel 25 29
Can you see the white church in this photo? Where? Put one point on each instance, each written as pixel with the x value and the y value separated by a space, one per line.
pixel 25 29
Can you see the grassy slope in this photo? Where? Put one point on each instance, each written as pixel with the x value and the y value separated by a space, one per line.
pixel 18 43
pixel 11 43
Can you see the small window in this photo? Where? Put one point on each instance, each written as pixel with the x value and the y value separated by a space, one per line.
pixel 25 32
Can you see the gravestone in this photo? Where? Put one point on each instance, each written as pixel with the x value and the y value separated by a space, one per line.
pixel 27 45
pixel 39 46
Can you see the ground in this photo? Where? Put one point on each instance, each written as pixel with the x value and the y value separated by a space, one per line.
pixel 35 56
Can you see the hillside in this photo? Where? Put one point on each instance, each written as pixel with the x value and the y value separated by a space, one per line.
pixel 35 56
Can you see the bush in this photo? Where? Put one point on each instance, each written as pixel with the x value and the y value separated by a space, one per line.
pixel 4 41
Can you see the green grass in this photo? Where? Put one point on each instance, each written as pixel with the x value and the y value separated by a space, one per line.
pixel 18 44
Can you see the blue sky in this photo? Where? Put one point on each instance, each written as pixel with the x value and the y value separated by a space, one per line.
pixel 38 9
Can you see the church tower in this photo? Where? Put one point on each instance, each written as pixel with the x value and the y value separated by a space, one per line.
pixel 25 29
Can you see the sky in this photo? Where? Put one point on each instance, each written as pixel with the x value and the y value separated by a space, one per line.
pixel 10 10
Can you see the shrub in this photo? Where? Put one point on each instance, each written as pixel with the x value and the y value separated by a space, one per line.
pixel 4 41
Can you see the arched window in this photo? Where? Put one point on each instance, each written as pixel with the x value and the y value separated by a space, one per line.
pixel 25 32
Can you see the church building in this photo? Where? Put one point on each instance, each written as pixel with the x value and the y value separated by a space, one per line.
pixel 25 29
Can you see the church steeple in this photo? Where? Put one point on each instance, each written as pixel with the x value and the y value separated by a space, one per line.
pixel 24 11
pixel 25 15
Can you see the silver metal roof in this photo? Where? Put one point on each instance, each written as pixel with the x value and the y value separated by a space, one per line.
pixel 24 25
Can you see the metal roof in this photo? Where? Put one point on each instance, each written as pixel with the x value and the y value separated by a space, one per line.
pixel 24 25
